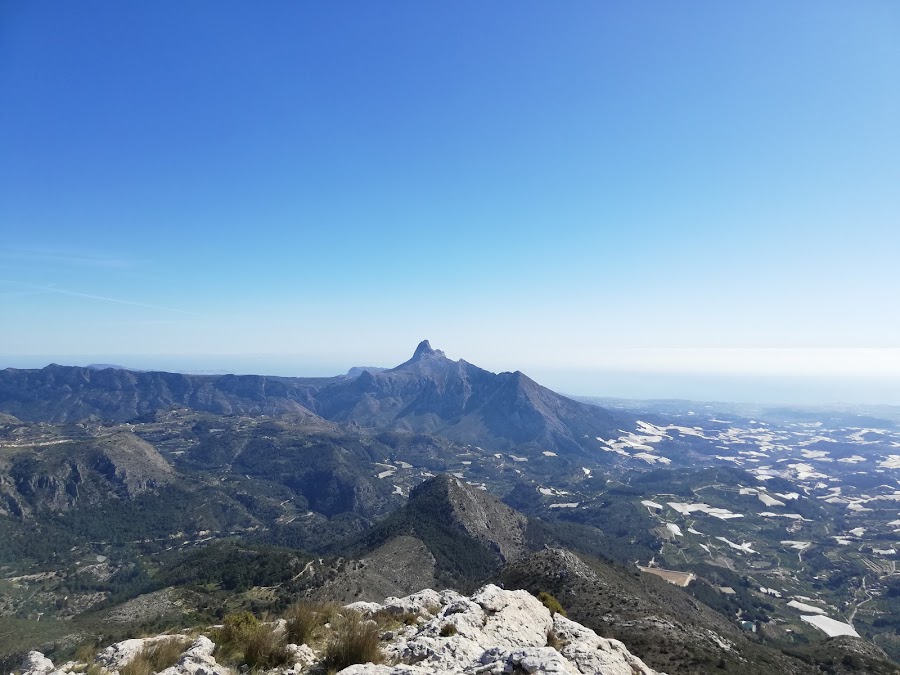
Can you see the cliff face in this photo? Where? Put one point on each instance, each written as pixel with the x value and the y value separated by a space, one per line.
pixel 492 631
pixel 82 472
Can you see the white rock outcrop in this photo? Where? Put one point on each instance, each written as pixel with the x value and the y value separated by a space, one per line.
pixel 36 663
pixel 117 656
pixel 198 660
pixel 492 632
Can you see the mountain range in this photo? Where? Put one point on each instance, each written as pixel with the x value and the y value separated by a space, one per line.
pixel 429 393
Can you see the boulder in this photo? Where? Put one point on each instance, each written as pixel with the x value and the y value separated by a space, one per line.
pixel 422 603
pixel 36 663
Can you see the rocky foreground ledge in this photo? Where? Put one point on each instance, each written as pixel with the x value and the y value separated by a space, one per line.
pixel 493 631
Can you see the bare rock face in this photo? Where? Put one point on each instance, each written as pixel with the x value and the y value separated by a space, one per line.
pixel 198 660
pixel 36 663
pixel 496 631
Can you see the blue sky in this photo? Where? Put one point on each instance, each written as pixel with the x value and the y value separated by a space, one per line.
pixel 644 187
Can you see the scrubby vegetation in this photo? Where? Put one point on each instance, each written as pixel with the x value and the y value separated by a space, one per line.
pixel 232 566
pixel 244 640
pixel 461 561
pixel 355 640
pixel 551 603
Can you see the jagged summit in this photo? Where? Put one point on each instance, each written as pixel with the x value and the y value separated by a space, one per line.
pixel 425 357
pixel 425 350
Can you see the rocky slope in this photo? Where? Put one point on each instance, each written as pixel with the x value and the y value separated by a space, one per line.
pixel 492 631
pixel 671 630
pixel 60 475
pixel 469 532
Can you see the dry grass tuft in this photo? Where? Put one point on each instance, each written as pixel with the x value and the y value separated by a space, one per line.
pixel 139 665
pixel 386 619
pixel 244 640
pixel 265 648
pixel 304 619
pixel 448 629
pixel 85 653
pixel 165 653
pixel 355 640
pixel 554 641
pixel 156 656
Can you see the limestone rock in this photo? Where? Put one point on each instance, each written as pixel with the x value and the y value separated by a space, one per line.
pixel 492 632
pixel 593 654
pixel 301 656
pixel 421 603
pixel 198 660
pixel 36 663
pixel 365 608
pixel 497 631
pixel 119 655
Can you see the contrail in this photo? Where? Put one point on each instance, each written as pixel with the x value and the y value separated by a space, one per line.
pixel 100 298
pixel 65 258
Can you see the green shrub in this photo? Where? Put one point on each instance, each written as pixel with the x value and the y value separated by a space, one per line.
pixel 551 603
pixel 448 629
pixel 237 627
pixel 354 641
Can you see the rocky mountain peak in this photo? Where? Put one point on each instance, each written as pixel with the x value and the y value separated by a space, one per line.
pixel 425 350
pixel 474 512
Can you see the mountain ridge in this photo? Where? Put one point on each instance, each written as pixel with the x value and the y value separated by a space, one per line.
pixel 429 393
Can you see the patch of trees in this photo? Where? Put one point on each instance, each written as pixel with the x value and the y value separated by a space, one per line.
pixel 235 567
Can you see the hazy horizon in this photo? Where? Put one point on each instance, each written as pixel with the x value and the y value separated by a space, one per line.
pixel 767 389
pixel 692 193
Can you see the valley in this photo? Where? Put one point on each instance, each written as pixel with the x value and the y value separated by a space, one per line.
pixel 755 535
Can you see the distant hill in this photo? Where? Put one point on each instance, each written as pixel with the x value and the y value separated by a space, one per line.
pixel 71 393
pixel 428 393
pixel 356 371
